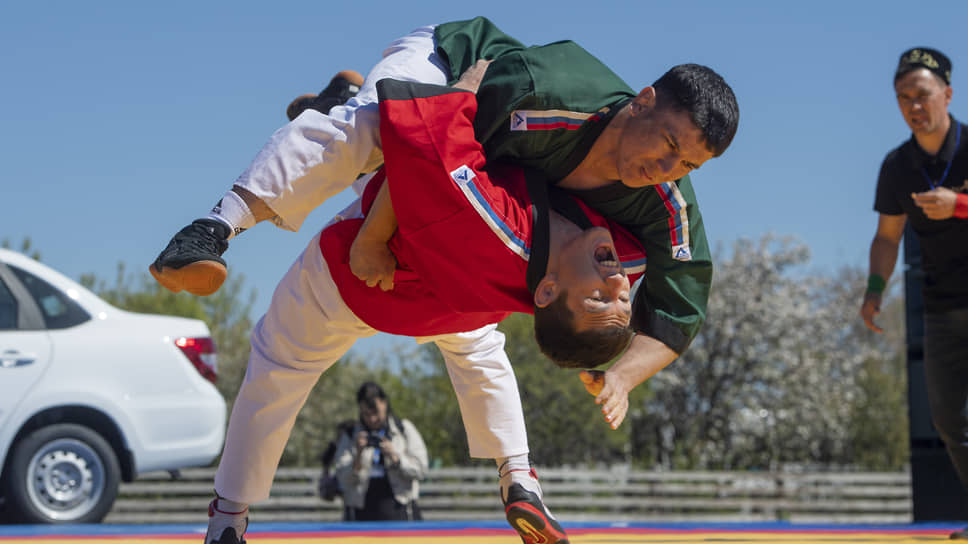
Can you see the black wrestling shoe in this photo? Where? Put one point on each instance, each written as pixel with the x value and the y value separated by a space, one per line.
pixel 959 535
pixel 341 88
pixel 528 516
pixel 192 261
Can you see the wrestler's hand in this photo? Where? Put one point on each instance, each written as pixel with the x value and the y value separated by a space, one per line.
pixel 372 262
pixel 471 79
pixel 937 203
pixel 610 392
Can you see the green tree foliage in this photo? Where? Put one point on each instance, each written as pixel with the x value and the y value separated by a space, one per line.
pixel 26 247
pixel 878 422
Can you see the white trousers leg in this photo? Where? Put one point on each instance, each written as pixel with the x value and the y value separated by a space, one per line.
pixel 487 391
pixel 316 156
pixel 306 329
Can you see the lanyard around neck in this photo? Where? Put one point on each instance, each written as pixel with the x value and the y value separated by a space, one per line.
pixel 947 167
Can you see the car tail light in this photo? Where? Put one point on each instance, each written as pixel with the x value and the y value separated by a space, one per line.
pixel 201 352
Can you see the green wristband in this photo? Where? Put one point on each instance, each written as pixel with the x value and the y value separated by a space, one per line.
pixel 876 284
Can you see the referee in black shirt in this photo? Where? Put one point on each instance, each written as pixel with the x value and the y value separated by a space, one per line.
pixel 925 181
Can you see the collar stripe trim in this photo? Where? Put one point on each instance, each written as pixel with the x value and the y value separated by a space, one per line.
pixel 676 205
pixel 634 266
pixel 525 120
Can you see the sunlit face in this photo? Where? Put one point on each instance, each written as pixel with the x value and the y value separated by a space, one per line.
pixel 658 144
pixel 597 286
pixel 374 417
pixel 923 99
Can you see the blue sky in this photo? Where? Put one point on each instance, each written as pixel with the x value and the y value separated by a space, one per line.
pixel 124 121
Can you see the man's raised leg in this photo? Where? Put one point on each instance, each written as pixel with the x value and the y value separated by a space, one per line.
pixel 304 163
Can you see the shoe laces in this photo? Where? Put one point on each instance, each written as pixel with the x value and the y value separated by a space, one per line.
pixel 205 236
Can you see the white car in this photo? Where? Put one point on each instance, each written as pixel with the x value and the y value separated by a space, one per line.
pixel 91 395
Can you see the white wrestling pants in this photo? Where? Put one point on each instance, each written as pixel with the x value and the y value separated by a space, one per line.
pixel 306 329
pixel 316 156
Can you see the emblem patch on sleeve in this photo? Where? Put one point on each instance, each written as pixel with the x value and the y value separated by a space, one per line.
pixel 463 175
pixel 682 252
pixel 519 121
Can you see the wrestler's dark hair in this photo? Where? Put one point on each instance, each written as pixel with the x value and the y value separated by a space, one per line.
pixel 707 97
pixel 554 330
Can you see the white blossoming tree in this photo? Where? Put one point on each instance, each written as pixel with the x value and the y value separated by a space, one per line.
pixel 781 372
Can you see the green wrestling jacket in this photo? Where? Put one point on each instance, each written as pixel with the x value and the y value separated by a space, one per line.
pixel 543 107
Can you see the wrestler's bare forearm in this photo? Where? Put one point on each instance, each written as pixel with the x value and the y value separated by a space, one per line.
pixel 381 220
pixel 370 258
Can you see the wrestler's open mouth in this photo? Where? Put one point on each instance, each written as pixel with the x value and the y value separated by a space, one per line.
pixel 605 256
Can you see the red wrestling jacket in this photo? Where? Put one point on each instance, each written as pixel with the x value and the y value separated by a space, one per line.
pixel 465 234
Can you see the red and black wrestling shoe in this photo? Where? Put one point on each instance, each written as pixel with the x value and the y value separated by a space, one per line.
pixel 229 527
pixel 528 516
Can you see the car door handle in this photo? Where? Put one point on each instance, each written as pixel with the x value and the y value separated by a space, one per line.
pixel 12 358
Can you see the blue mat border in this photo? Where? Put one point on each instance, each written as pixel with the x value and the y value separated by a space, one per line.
pixel 310 527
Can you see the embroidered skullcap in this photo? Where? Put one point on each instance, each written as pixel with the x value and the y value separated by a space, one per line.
pixel 924 57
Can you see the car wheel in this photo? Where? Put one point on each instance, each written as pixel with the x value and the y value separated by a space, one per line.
pixel 63 473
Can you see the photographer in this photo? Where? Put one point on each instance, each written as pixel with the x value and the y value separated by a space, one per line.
pixel 379 462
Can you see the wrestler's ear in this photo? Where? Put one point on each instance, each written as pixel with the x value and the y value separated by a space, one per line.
pixel 547 291
pixel 643 101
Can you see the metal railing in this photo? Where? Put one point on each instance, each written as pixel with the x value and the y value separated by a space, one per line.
pixel 572 494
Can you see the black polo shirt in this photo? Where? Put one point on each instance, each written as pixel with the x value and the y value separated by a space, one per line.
pixel 944 244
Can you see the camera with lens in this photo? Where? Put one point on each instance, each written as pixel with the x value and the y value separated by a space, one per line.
pixel 374 439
